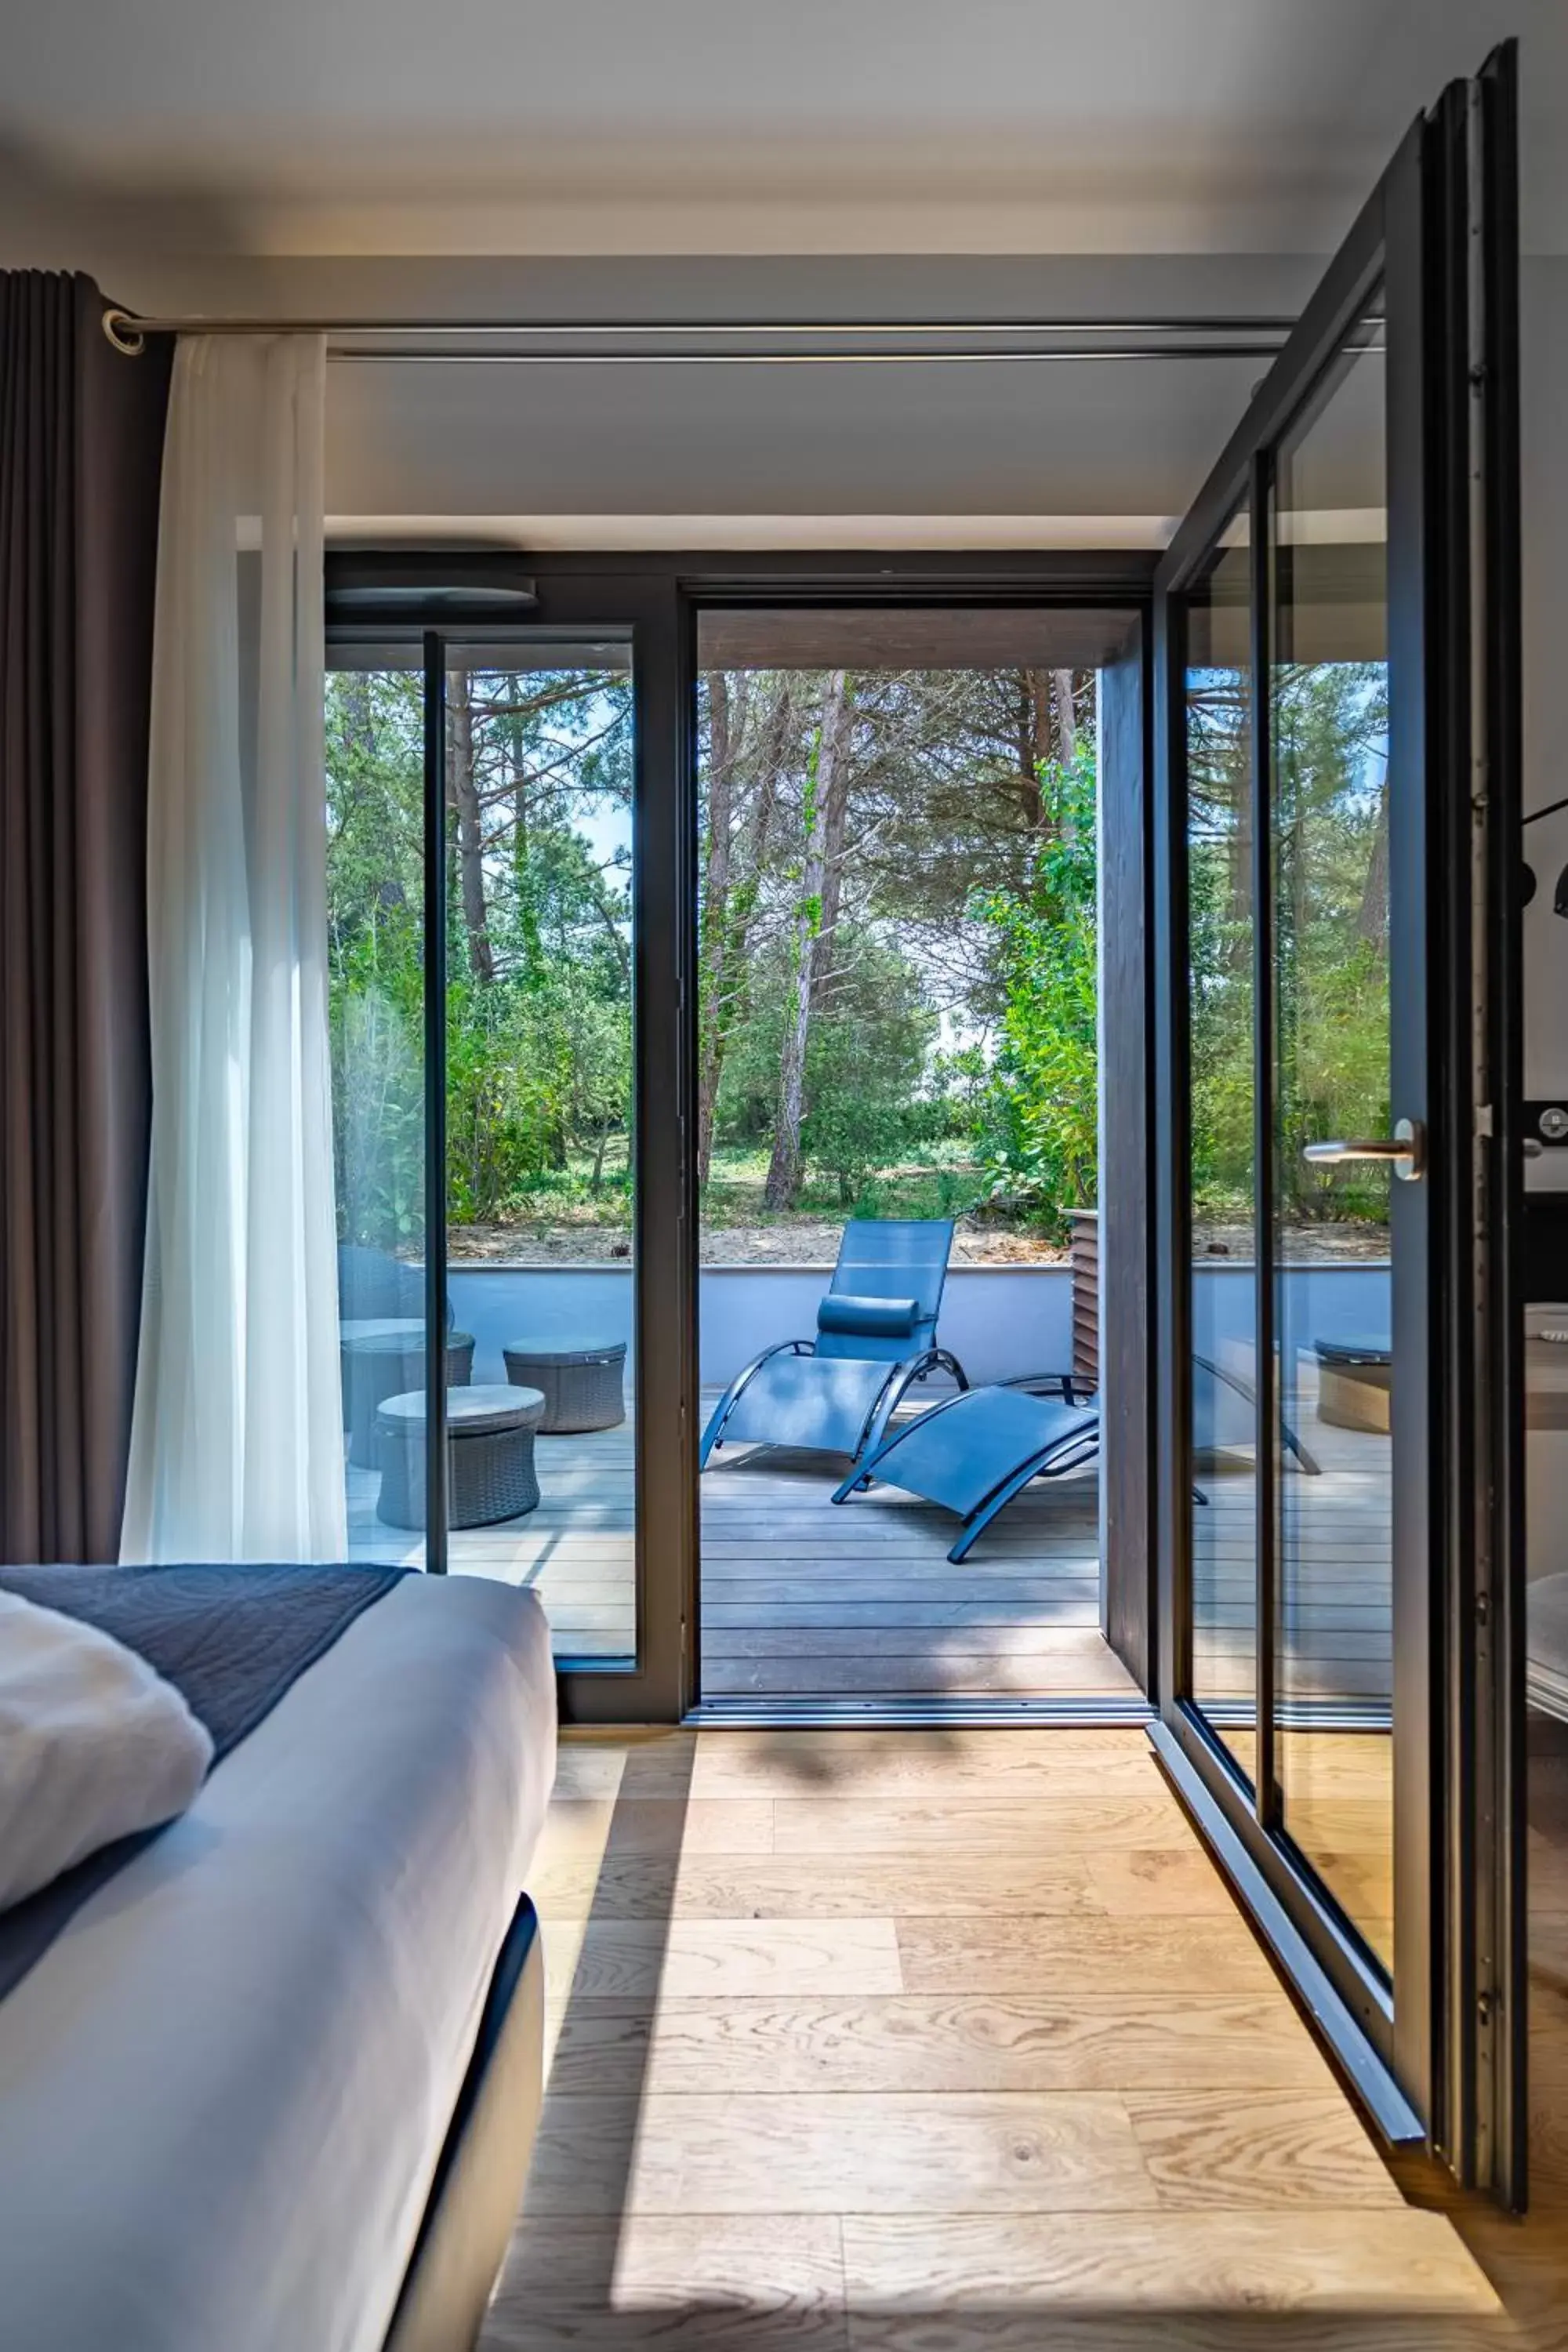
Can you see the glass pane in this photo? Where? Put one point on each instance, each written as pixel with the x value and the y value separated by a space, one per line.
pixel 1224 1503
pixel 1329 854
pixel 375 884
pixel 540 1181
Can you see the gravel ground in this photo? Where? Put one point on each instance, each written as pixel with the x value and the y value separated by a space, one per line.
pixel 809 1241
pixel 803 1241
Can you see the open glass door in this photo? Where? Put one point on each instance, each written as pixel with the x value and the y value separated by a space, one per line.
pixel 1337 791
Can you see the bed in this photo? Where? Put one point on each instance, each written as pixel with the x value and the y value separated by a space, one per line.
pixel 249 2090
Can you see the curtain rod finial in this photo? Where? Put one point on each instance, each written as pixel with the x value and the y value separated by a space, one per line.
pixel 124 334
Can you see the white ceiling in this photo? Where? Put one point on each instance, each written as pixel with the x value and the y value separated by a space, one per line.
pixel 733 126
pixel 804 158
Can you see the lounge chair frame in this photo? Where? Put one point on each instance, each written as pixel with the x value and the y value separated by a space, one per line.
pixel 900 1378
pixel 1067 1451
pixel 1064 1453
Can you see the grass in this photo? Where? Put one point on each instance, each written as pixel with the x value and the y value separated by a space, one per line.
pixel 943 1183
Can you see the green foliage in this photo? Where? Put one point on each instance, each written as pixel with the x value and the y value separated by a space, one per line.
pixel 1329 839
pixel 1040 1132
pixel 378 1097
pixel 865 1067
pixel 539 1055
pixel 950 1051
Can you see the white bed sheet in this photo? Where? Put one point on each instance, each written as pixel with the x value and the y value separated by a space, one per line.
pixel 224 2088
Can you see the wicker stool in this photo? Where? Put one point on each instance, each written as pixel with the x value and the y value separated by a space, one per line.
pixel 1354 1379
pixel 490 1456
pixel 581 1386
pixel 382 1360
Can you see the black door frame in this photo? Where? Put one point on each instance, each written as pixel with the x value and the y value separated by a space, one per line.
pixel 1437 2057
pixel 1357 2010
pixel 654 602
pixel 1093 580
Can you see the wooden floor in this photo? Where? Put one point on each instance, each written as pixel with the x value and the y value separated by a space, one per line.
pixel 801 1598
pixel 935 2040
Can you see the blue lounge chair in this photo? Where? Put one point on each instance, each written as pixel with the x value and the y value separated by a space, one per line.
pixel 876 1336
pixel 974 1452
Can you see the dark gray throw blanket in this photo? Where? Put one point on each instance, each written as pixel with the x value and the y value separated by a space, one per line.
pixel 231 1639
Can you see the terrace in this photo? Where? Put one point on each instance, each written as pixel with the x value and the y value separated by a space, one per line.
pixel 801 1600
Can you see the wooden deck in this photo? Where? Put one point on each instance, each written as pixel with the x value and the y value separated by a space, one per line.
pixel 804 1600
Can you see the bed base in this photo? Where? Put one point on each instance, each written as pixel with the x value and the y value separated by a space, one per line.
pixel 484 2162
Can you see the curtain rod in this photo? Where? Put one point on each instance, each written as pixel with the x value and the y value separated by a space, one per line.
pixel 1155 338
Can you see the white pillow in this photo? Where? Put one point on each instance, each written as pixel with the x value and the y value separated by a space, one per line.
pixel 93 1745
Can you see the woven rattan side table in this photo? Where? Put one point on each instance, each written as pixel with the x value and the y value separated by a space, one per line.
pixel 489 1456
pixel 583 1388
pixel 386 1358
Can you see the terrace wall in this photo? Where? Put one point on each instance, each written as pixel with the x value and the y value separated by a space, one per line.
pixel 1000 1321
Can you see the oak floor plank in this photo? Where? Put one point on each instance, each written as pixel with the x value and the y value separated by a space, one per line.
pixel 795 1886
pixel 1206 2148
pixel 653 1764
pixel 1125 1955
pixel 1085 1825
pixel 951 1766
pixel 686 1958
pixel 1005 2041
pixel 874 2330
pixel 807 2153
pixel 577 1827
pixel 713 2280
pixel 1335 2259
pixel 1139 1884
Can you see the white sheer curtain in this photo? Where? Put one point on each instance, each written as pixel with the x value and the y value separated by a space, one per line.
pixel 236 1442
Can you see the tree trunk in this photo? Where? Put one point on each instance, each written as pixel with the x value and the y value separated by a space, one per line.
pixel 1371 920
pixel 719 852
pixel 1235 807
pixel 725 976
pixel 1067 717
pixel 825 821
pixel 834 823
pixel 462 793
pixel 359 718
pixel 1032 744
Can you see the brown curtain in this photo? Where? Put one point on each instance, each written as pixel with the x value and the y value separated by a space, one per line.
pixel 81 434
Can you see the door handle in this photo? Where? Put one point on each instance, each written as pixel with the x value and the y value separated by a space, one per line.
pixel 1405 1151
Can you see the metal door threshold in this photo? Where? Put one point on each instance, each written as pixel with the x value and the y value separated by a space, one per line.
pixel 918 1714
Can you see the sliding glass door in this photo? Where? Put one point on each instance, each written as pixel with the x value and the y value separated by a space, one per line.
pixel 1334 622
pixel 508 1209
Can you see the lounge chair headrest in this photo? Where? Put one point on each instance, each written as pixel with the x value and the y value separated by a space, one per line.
pixel 867 1318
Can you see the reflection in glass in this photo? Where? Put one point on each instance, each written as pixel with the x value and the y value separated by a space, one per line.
pixel 539 1177
pixel 1329 854
pixel 375 882
pixel 1219 845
